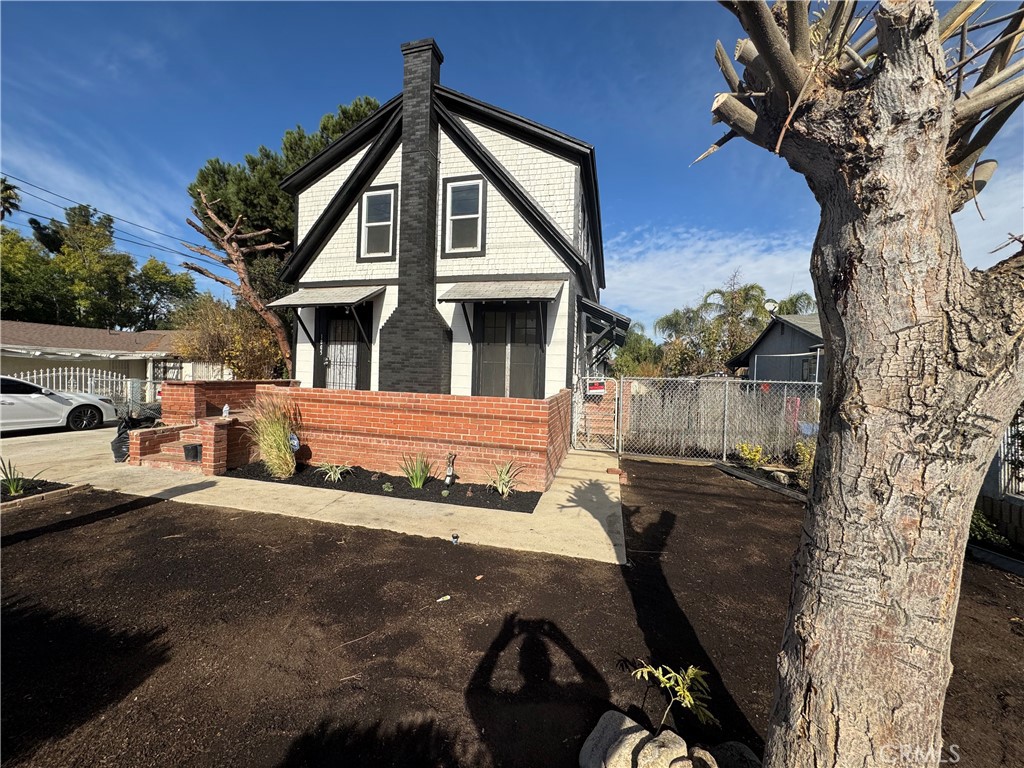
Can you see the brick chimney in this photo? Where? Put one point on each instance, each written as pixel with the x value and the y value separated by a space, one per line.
pixel 415 342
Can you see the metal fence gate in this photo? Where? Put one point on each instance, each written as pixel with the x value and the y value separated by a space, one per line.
pixel 695 418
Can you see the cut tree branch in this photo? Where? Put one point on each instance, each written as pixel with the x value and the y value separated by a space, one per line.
pixel 799 26
pixel 739 117
pixel 716 146
pixel 728 70
pixel 1004 49
pixel 773 47
pixel 956 17
pixel 966 108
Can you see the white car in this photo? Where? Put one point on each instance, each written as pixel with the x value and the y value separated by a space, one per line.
pixel 28 406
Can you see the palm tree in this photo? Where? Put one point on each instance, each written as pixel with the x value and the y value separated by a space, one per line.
pixel 737 312
pixel 800 303
pixel 679 324
pixel 10 200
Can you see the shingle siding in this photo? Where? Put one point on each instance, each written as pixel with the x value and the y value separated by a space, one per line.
pixel 314 200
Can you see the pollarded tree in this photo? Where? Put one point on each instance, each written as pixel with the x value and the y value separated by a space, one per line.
pixel 925 355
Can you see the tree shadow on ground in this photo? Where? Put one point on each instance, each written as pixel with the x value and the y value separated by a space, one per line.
pixel 530 707
pixel 60 670
pixel 419 744
pixel 669 635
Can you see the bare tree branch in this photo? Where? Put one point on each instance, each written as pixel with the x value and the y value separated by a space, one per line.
pixel 996 79
pixel 965 108
pixel 716 146
pixel 1003 50
pixel 799 27
pixel 208 274
pixel 728 71
pixel 766 36
pixel 967 154
pixel 739 117
pixel 956 17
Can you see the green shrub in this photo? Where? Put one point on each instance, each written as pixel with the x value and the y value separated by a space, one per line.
pixel 689 689
pixel 753 455
pixel 333 472
pixel 13 481
pixel 805 450
pixel 387 487
pixel 984 530
pixel 417 470
pixel 505 479
pixel 274 421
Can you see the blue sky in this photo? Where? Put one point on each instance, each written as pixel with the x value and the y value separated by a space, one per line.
pixel 119 104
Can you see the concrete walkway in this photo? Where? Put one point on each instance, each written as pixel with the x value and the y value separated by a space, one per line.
pixel 579 516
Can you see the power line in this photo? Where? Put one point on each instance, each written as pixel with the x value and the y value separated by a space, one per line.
pixel 76 202
pixel 78 246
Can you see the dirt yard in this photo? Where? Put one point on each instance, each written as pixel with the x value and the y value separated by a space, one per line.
pixel 145 632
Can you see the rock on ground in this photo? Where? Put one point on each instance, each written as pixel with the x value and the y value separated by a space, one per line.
pixel 733 754
pixel 620 742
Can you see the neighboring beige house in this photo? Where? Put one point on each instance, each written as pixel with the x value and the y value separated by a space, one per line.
pixel 448 246
pixel 147 355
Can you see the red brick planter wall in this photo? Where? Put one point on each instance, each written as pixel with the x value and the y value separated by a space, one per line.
pixel 375 429
pixel 185 402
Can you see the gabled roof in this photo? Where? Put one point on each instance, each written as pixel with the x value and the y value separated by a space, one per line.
pixel 809 325
pixel 512 191
pixel 330 219
pixel 17 335
pixel 382 131
pixel 542 137
pixel 336 153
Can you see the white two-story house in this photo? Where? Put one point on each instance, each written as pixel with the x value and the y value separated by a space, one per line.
pixel 448 246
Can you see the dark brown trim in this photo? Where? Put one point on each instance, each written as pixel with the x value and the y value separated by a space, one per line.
pixel 360 259
pixel 345 283
pixel 344 199
pixel 509 188
pixel 482 250
pixel 547 139
pixel 329 158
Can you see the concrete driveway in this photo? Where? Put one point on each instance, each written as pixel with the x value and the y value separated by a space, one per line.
pixel 579 516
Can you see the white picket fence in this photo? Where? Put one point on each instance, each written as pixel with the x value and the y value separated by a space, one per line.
pixel 129 395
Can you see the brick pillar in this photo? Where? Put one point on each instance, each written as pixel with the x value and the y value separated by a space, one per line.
pixel 213 434
pixel 415 342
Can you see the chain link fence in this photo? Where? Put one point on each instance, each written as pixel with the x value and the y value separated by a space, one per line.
pixel 701 418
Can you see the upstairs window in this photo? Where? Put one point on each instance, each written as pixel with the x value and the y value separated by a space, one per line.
pixel 464 204
pixel 377 230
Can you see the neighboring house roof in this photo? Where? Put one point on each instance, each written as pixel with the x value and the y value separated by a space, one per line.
pixel 809 325
pixel 18 337
pixel 383 129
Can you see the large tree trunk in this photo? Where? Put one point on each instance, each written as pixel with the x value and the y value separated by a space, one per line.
pixel 923 377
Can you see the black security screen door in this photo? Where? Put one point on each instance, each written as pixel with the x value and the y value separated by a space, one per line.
pixel 343 356
pixel 508 351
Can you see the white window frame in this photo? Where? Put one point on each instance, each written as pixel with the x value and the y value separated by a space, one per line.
pixel 366 225
pixel 479 215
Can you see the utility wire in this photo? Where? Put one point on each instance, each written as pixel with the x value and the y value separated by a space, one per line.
pixel 76 202
pixel 78 246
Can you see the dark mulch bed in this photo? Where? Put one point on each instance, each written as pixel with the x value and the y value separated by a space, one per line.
pixel 361 480
pixel 138 631
pixel 32 488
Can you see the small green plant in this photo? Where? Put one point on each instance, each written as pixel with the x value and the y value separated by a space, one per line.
pixel 387 487
pixel 752 454
pixel 689 689
pixel 805 450
pixel 984 531
pixel 11 480
pixel 274 421
pixel 333 472
pixel 505 478
pixel 417 470
pixel 445 493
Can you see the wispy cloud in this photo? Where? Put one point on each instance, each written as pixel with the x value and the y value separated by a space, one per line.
pixel 653 270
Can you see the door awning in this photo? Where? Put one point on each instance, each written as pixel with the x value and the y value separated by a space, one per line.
pixel 505 290
pixel 342 295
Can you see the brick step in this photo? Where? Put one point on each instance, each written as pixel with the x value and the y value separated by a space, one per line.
pixel 165 461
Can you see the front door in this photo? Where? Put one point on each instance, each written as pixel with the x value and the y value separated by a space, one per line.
pixel 343 353
pixel 509 351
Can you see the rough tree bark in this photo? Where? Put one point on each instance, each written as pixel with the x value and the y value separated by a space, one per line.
pixel 925 371
pixel 232 252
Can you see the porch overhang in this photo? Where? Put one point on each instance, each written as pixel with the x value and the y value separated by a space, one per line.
pixel 521 290
pixel 605 328
pixel 335 296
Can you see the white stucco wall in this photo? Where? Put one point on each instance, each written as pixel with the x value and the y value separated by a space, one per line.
pixel 337 260
pixel 512 247
pixel 315 198
pixel 549 180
